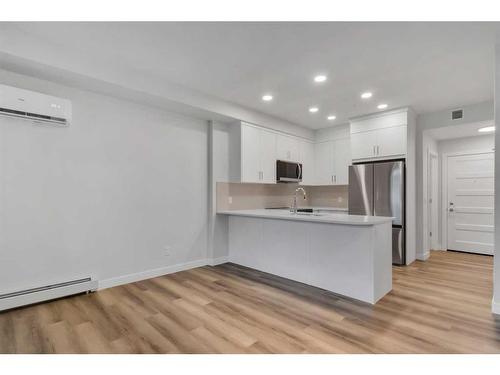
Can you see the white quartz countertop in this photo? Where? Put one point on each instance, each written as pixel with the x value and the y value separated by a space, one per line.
pixel 330 218
pixel 315 208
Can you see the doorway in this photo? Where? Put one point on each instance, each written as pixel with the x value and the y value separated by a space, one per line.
pixel 433 197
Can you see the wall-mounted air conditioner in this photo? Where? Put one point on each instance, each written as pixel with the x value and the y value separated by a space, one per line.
pixel 34 106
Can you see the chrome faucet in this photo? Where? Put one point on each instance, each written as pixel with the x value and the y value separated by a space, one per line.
pixel 293 209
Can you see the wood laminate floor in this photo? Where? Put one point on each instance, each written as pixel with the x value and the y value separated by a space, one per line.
pixel 439 306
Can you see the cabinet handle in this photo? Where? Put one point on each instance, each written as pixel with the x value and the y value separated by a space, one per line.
pixel 378 151
pixel 374 150
pixel 332 178
pixel 335 178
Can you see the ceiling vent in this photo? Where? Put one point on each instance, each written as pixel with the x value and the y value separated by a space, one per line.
pixel 458 114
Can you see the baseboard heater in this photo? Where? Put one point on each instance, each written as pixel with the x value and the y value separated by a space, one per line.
pixel 45 293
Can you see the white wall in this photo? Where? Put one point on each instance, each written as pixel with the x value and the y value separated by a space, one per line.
pixel 222 144
pixel 105 196
pixel 472 113
pixel 496 282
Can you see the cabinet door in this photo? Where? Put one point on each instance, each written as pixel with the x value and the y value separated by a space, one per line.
pixel 323 160
pixel 391 141
pixel 306 157
pixel 267 156
pixel 250 154
pixel 287 148
pixel 363 145
pixel 342 160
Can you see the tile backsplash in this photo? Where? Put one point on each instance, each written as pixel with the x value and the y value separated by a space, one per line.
pixel 241 196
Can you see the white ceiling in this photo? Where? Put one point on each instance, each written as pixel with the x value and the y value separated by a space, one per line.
pixel 429 66
pixel 459 131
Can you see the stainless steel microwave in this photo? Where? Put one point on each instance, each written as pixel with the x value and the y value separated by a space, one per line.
pixel 287 171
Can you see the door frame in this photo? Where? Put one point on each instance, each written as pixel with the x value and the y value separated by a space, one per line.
pixel 444 189
pixel 430 155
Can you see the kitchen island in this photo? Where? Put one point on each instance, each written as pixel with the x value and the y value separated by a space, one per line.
pixel 349 255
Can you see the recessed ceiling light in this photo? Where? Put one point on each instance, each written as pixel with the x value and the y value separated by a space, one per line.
pixel 267 98
pixel 382 106
pixel 486 129
pixel 320 78
pixel 313 109
pixel 331 117
pixel 366 95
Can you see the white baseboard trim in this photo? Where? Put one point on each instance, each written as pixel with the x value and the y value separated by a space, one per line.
pixel 149 274
pixel 495 307
pixel 217 261
pixel 424 256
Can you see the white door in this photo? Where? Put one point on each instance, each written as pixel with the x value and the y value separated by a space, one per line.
pixel 267 152
pixel 363 145
pixel 250 154
pixel 342 161
pixel 324 162
pixel 470 203
pixel 391 141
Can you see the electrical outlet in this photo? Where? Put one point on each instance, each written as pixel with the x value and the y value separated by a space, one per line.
pixel 230 200
pixel 340 200
pixel 167 250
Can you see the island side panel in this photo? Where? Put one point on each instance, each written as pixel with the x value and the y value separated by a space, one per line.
pixel 340 259
pixel 382 250
pixel 335 257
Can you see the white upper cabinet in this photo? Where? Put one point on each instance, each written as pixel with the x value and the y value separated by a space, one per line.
pixel 287 148
pixel 306 157
pixel 391 141
pixel 332 160
pixel 323 160
pixel 363 145
pixel 342 161
pixel 250 154
pixel 379 136
pixel 267 151
pixel 258 155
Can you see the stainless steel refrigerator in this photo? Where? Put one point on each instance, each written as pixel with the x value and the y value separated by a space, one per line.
pixel 378 189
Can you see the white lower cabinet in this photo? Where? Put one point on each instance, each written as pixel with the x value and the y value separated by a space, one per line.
pixel 258 155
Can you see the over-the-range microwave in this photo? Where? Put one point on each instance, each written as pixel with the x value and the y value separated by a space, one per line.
pixel 287 171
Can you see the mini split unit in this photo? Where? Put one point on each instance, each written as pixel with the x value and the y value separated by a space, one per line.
pixel 34 106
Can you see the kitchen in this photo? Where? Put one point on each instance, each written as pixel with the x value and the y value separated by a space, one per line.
pixel 245 191
pixel 324 170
